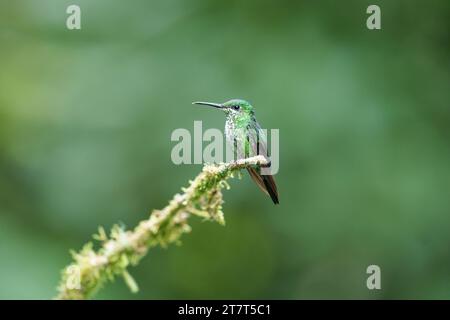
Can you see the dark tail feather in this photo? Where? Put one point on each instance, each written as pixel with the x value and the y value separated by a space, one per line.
pixel 266 183
pixel 271 187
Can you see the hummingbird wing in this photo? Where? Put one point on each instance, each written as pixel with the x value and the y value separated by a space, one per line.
pixel 256 138
pixel 258 144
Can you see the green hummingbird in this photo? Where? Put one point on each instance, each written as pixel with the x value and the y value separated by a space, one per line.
pixel 245 136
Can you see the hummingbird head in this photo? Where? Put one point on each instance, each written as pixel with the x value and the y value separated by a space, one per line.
pixel 234 108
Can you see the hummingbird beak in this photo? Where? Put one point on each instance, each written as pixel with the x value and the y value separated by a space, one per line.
pixel 211 104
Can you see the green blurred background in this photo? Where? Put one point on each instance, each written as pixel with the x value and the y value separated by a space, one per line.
pixel 86 118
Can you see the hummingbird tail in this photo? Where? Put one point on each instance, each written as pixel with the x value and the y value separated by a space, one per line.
pixel 271 187
pixel 266 183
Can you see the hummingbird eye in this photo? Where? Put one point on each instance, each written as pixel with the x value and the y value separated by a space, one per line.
pixel 237 107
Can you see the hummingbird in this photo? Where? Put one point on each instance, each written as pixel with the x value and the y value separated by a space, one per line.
pixel 242 129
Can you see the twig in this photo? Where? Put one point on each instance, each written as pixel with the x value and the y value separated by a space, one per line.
pixel 92 268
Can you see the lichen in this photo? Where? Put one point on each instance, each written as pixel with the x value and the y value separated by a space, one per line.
pixel 92 269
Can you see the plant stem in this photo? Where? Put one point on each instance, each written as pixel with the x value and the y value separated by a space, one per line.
pixel 91 268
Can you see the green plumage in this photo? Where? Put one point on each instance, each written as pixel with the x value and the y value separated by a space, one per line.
pixel 246 138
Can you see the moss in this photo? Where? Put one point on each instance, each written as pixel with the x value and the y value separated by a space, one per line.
pixel 92 268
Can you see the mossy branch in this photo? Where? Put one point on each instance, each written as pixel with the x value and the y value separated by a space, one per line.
pixel 92 268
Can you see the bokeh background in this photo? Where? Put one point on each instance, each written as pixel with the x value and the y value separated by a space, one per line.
pixel 86 118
